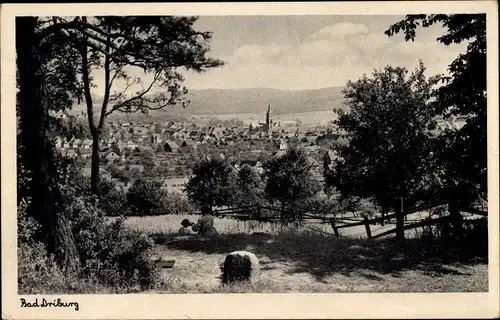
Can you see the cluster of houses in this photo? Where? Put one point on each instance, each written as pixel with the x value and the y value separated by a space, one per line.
pixel 171 137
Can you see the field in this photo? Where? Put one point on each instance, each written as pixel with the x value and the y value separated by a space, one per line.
pixel 303 260
pixel 176 184
pixel 306 118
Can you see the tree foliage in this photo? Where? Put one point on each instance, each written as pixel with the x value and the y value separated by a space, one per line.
pixel 212 183
pixel 121 46
pixel 35 151
pixel 145 197
pixel 249 187
pixel 289 181
pixel 112 200
pixel 389 124
pixel 461 158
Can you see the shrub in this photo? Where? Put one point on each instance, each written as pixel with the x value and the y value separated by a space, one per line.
pixel 367 207
pixel 118 257
pixel 37 271
pixel 114 258
pixel 27 227
pixel 145 197
pixel 112 200
pixel 177 203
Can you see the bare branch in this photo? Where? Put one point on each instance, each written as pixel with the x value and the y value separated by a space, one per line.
pixel 107 85
pixel 135 98
pixel 57 27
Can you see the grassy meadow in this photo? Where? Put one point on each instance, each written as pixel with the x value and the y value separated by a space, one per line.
pixel 309 259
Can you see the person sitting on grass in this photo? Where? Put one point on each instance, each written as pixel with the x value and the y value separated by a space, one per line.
pixel 205 225
pixel 187 228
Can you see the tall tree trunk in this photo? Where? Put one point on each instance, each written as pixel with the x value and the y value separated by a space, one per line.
pixel 96 160
pixel 37 151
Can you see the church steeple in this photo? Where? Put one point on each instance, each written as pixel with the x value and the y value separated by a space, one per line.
pixel 268 119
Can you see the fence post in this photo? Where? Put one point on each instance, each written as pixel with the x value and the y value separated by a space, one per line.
pixel 383 217
pixel 335 230
pixel 258 213
pixel 367 227
pixel 403 212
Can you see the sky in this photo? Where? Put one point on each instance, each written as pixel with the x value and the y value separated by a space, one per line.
pixel 310 52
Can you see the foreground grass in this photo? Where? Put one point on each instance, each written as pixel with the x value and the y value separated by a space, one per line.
pixel 308 262
pixel 170 224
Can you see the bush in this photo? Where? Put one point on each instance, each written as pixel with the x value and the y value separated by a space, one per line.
pixel 118 257
pixel 37 271
pixel 114 259
pixel 27 227
pixel 177 203
pixel 112 200
pixel 145 197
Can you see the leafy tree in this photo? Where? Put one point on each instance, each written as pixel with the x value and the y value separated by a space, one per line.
pixel 52 54
pixel 145 197
pixel 45 81
pixel 289 181
pixel 122 175
pixel 461 156
pixel 157 45
pixel 177 203
pixel 212 183
pixel 249 187
pixel 112 201
pixel 389 148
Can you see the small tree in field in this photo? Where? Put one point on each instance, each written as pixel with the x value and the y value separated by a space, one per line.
pixel 212 183
pixel 389 148
pixel 249 187
pixel 289 181
pixel 145 197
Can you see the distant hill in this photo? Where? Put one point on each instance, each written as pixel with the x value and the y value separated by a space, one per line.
pixel 256 100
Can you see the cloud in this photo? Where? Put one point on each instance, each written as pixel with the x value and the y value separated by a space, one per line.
pixel 340 30
pixel 328 57
pixel 259 53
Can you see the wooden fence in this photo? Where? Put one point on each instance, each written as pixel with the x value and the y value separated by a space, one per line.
pixel 269 214
pixel 252 212
pixel 366 222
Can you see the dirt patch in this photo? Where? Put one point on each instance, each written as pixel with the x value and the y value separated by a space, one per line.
pixel 294 263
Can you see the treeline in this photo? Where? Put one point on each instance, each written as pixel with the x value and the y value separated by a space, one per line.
pixel 227 123
pixel 144 196
pixel 292 182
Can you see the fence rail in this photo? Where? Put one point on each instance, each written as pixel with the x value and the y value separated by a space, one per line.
pixel 270 214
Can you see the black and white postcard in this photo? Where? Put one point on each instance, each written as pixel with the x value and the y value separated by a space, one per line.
pixel 253 160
